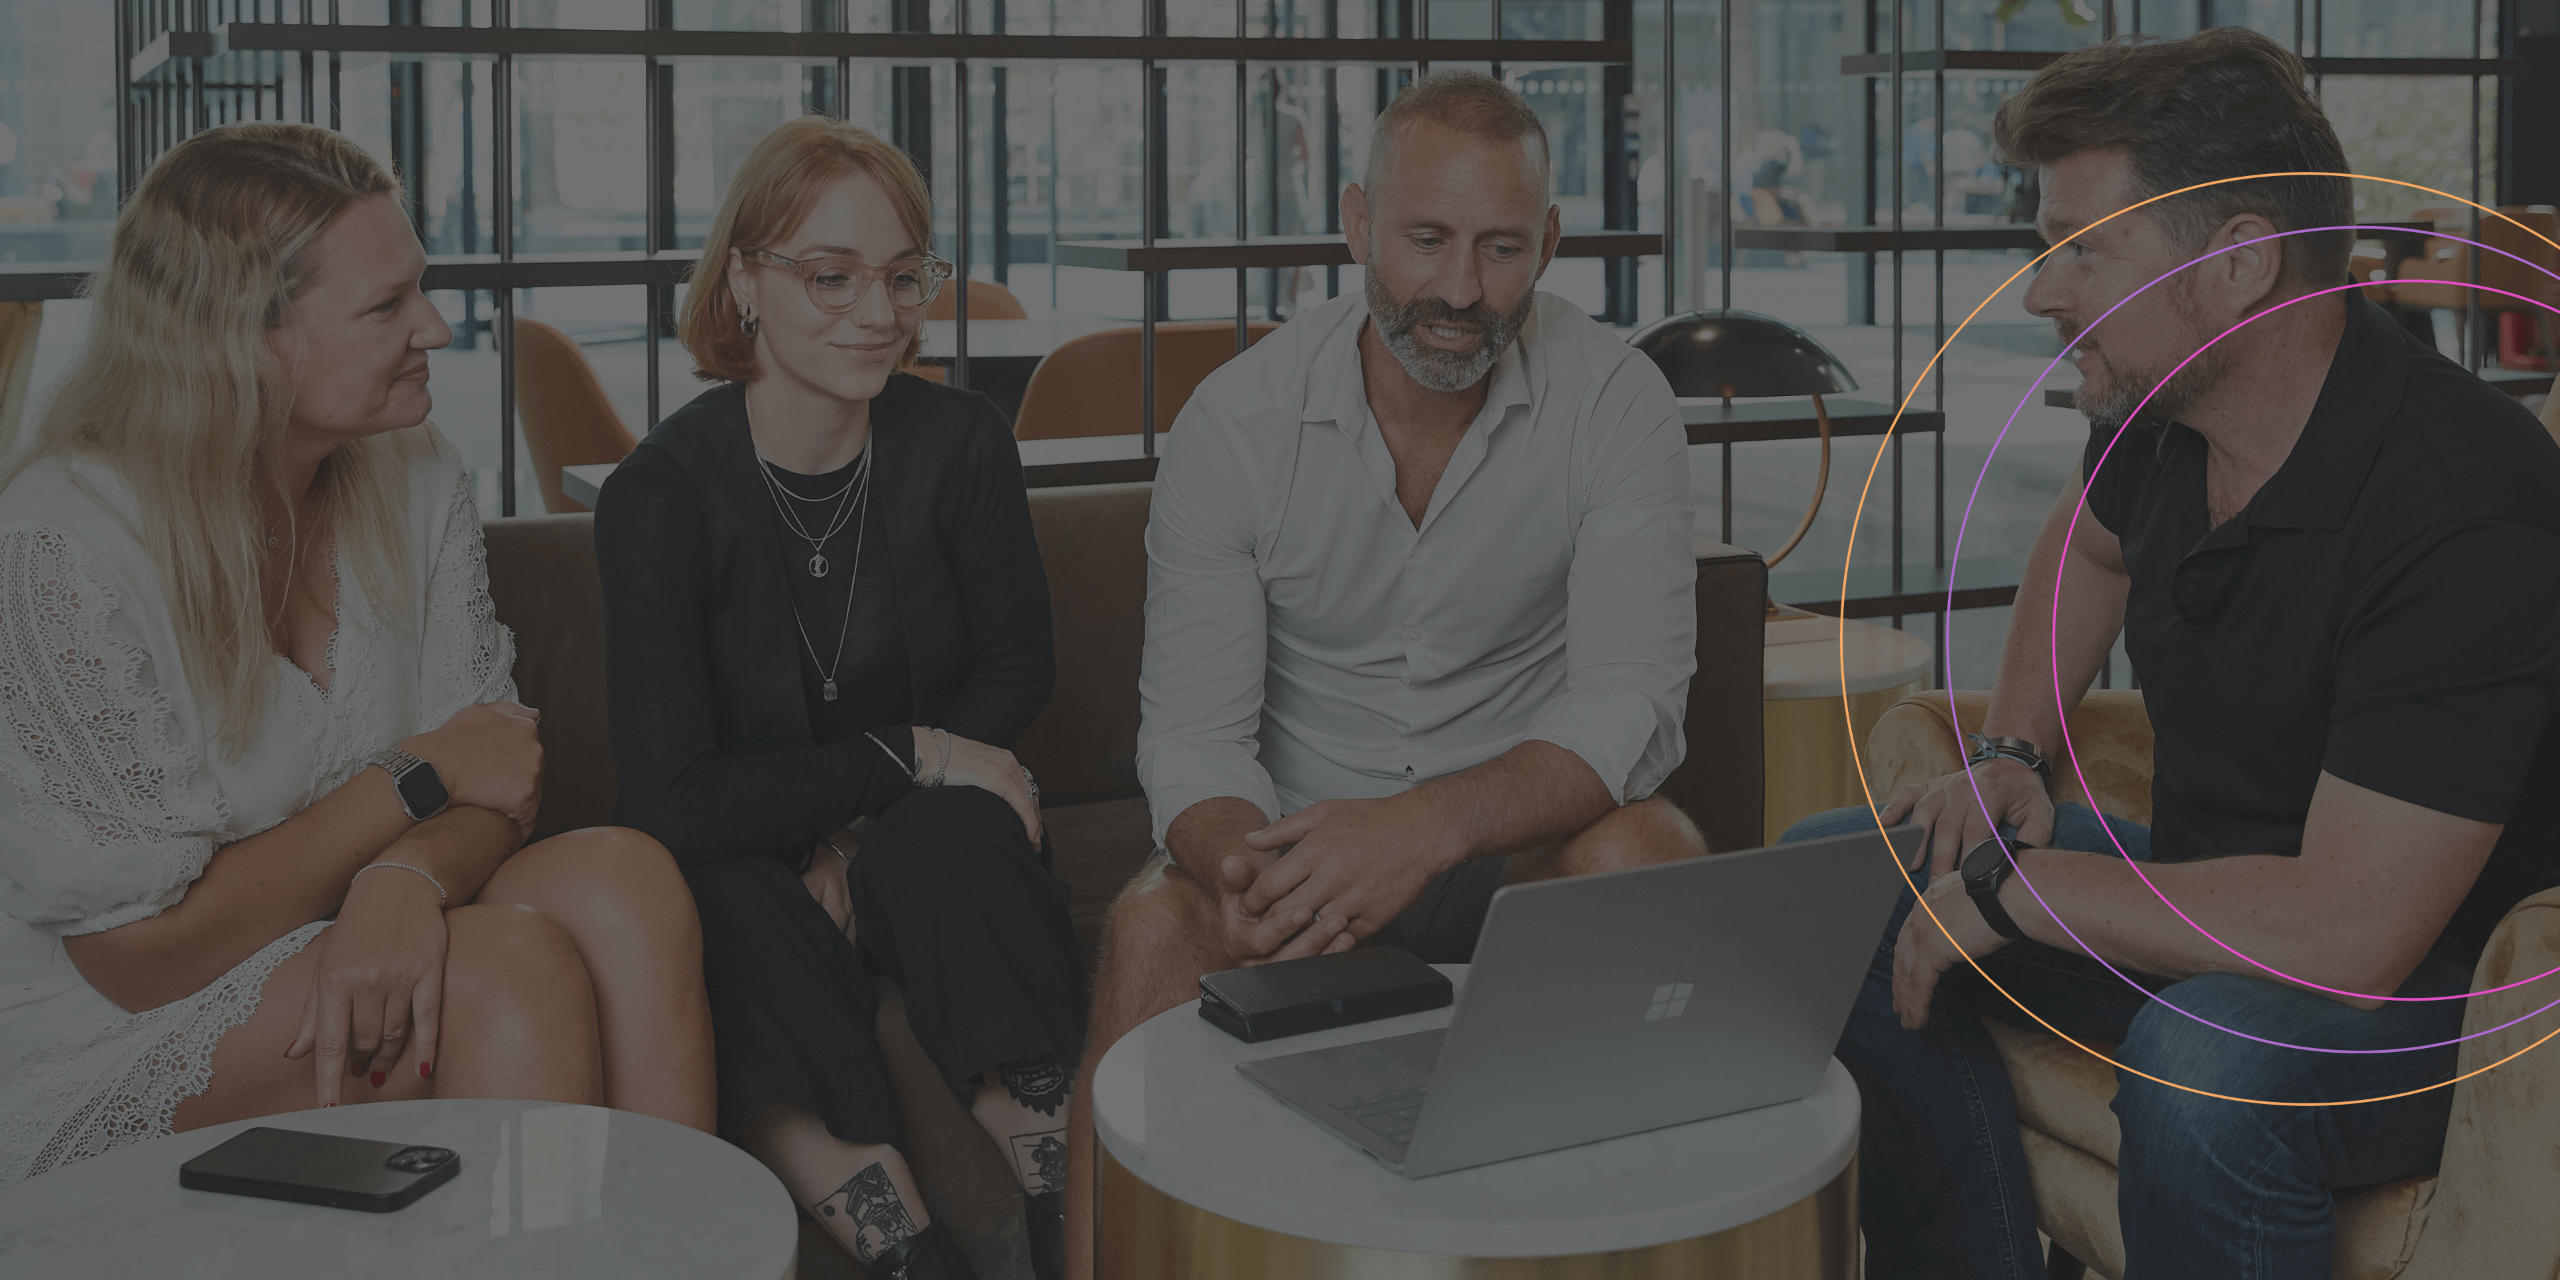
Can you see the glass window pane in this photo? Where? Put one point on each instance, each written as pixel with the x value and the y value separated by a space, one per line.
pixel 2273 17
pixel 2408 128
pixel 1065 17
pixel 582 156
pixel 592 15
pixel 456 192
pixel 743 15
pixel 2393 28
pixel 722 110
pixel 57 132
pixel 2037 24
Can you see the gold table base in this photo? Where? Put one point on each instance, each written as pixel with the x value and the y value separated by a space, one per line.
pixel 1145 1234
pixel 1808 763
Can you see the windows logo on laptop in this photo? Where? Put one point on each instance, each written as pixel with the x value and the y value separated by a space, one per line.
pixel 1670 1000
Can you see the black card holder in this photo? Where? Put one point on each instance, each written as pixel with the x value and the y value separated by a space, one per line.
pixel 1293 997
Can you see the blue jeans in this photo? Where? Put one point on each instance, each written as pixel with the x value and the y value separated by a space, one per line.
pixel 2204 1187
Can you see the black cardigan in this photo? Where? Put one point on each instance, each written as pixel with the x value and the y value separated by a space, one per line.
pixel 710 724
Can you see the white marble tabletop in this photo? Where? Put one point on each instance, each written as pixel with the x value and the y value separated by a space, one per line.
pixel 545 1190
pixel 1170 1106
pixel 1800 657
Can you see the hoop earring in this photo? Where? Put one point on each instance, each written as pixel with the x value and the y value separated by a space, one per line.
pixel 747 323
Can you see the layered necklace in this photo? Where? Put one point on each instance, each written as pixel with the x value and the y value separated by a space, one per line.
pixel 853 503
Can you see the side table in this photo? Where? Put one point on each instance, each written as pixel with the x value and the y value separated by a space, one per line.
pixel 545 1190
pixel 1806 743
pixel 1204 1174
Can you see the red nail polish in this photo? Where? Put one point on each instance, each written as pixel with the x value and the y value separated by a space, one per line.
pixel 378 1078
pixel 422 1070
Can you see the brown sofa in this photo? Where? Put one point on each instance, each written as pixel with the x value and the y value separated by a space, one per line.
pixel 1084 747
pixel 2486 1213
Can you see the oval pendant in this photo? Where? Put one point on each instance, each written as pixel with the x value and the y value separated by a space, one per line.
pixel 817 566
pixel 828 691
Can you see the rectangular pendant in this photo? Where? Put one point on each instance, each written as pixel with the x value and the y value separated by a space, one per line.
pixel 828 691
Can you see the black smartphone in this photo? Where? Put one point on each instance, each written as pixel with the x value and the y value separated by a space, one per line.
pixel 320 1168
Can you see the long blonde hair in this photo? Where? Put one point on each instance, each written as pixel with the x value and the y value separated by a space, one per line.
pixel 178 392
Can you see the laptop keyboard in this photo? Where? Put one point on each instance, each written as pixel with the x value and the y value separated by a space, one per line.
pixel 1389 1115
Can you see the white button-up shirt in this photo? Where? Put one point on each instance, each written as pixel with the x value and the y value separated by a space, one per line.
pixel 1306 641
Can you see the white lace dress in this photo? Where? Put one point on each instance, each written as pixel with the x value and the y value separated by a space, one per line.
pixel 115 792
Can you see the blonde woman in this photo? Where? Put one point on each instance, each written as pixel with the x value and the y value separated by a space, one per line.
pixel 263 776
pixel 824 608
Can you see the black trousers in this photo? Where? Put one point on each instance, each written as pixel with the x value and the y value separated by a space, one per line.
pixel 950 902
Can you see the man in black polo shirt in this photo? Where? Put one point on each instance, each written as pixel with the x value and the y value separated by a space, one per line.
pixel 2335 560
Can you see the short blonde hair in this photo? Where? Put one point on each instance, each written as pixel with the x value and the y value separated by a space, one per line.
pixel 773 190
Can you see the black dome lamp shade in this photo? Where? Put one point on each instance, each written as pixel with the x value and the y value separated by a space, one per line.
pixel 1743 353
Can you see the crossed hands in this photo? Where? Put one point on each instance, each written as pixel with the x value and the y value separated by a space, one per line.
pixel 377 987
pixel 1952 809
pixel 1351 866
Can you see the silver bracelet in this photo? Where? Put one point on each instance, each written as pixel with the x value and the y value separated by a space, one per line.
pixel 441 897
pixel 894 758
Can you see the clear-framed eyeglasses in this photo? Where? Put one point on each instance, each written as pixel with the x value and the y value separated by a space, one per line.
pixel 837 285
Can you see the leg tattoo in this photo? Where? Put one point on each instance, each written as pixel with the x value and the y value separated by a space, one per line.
pixel 870 1203
pixel 1039 1084
pixel 1041 1160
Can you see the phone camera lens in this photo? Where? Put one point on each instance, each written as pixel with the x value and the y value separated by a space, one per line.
pixel 417 1159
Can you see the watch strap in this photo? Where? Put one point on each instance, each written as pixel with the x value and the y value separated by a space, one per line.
pixel 402 766
pixel 1985 892
pixel 1980 748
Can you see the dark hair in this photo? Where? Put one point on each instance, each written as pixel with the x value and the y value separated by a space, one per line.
pixel 2220 103
pixel 1472 103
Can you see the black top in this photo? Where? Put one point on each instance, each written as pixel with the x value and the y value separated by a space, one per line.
pixel 2385 609
pixel 720 743
pixel 854 599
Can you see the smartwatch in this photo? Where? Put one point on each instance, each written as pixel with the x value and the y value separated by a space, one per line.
pixel 1985 868
pixel 422 793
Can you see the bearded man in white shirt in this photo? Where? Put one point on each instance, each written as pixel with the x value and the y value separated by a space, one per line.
pixel 1420 615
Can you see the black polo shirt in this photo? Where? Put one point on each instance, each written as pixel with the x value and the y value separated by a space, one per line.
pixel 2385 609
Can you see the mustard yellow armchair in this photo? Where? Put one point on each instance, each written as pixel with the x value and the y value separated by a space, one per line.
pixel 2488 1212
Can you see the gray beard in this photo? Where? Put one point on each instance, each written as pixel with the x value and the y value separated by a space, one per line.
pixel 1434 369
pixel 2112 395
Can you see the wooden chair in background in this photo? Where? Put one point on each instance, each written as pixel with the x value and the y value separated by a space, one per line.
pixel 2450 260
pixel 566 417
pixel 987 301
pixel 19 322
pixel 1090 386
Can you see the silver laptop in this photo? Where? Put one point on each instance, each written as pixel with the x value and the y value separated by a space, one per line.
pixel 1611 1004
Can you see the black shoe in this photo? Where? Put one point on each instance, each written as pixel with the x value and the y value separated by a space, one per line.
pixel 929 1254
pixel 1044 1216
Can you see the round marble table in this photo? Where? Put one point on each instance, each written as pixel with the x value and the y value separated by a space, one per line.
pixel 545 1190
pixel 1204 1174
